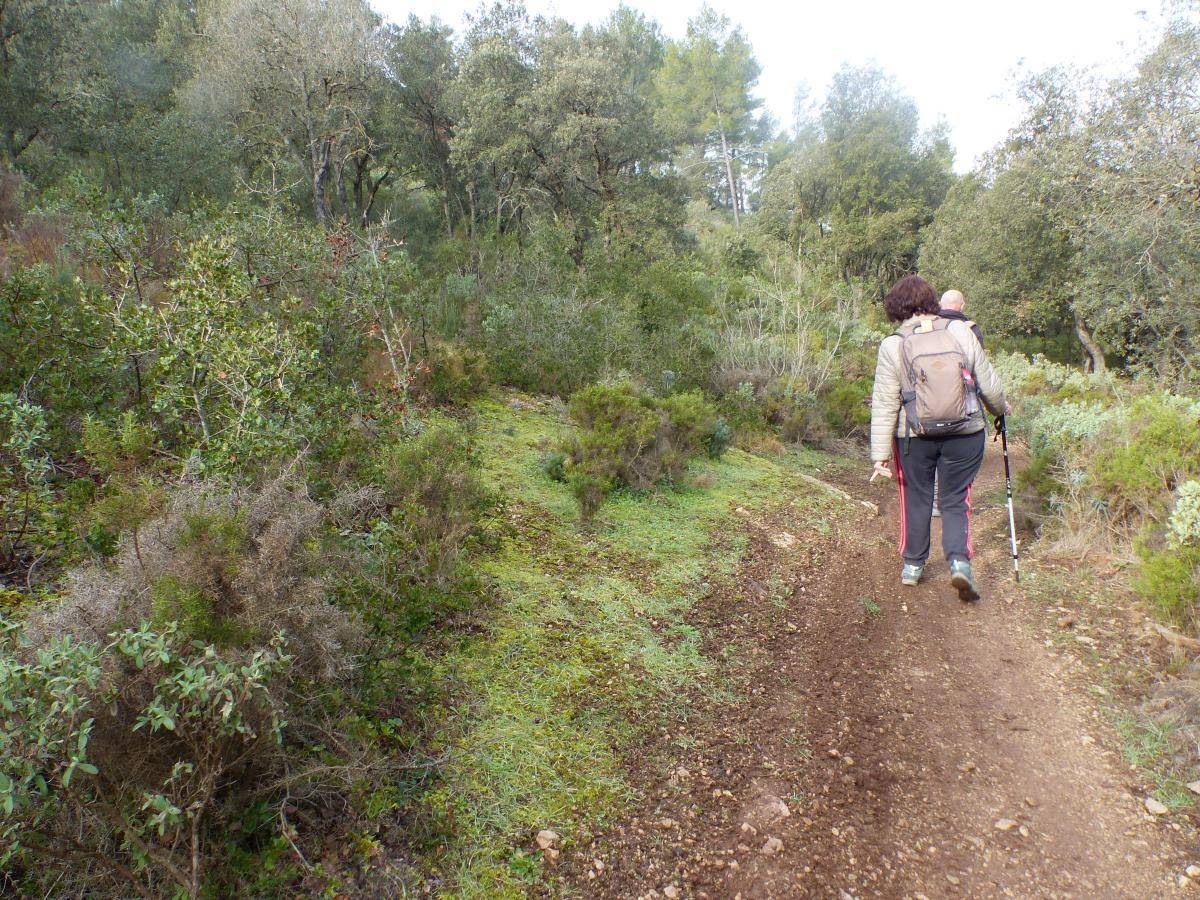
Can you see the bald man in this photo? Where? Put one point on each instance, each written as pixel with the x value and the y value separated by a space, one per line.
pixel 952 304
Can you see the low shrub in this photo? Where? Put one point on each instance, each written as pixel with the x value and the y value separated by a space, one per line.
pixel 798 414
pixel 225 561
pixel 719 438
pixel 744 411
pixel 1169 580
pixel 625 438
pixel 556 344
pixel 1038 484
pixel 554 465
pixel 117 448
pixel 847 407
pixel 1183 527
pixel 1169 576
pixel 181 660
pixel 693 427
pixel 428 510
pixel 177 700
pixel 24 485
pixel 1136 472
pixel 131 756
pixel 1112 458
pixel 451 376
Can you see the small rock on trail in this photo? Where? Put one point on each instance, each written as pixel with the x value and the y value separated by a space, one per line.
pixel 1156 807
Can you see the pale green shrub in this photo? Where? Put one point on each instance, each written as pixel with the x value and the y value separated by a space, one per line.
pixel 1183 527
pixel 1069 423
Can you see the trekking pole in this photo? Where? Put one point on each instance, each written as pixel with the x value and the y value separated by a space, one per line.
pixel 1002 433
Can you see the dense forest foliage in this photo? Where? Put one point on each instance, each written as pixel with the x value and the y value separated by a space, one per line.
pixel 259 258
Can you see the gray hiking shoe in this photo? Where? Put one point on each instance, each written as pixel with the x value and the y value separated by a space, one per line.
pixel 911 575
pixel 962 579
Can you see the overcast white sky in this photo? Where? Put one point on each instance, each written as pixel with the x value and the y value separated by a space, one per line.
pixel 956 58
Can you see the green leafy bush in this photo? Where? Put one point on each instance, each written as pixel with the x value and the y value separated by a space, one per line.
pixel 1136 474
pixel 1039 483
pixel 226 368
pixel 847 406
pixel 117 448
pixel 127 754
pixel 451 376
pixel 719 438
pixel 1113 457
pixel 57 349
pixel 554 465
pixel 25 524
pixel 693 427
pixel 798 413
pixel 624 438
pixel 745 413
pixel 426 514
pixel 1170 581
pixel 558 344
pixel 1183 527
pixel 1169 576
pixel 615 437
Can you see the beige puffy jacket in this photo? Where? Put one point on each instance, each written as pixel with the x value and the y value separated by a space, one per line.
pixel 887 414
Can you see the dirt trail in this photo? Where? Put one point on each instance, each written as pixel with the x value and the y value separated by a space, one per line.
pixel 898 728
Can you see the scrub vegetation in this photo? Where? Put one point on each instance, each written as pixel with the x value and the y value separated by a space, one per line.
pixel 379 399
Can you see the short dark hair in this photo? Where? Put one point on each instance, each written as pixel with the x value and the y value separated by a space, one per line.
pixel 910 295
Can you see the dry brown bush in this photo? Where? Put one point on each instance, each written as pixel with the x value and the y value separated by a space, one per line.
pixel 234 567
pixel 241 563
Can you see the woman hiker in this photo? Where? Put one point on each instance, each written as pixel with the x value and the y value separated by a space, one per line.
pixel 926 416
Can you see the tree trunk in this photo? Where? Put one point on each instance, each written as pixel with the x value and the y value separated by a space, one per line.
pixel 471 203
pixel 373 191
pixel 733 197
pixel 320 177
pixel 800 255
pixel 360 172
pixel 339 184
pixel 1090 347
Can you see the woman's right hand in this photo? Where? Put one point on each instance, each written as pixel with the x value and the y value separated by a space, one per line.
pixel 881 469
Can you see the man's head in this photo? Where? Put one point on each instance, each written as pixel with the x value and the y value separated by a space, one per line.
pixel 953 300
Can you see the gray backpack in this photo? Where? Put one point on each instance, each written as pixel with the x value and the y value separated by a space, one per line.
pixel 937 388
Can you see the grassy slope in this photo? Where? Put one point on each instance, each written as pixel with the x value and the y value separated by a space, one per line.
pixel 588 642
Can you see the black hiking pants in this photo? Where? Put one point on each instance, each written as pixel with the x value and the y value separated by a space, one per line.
pixel 955 462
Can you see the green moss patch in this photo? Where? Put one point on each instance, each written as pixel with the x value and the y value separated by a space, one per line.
pixel 587 644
